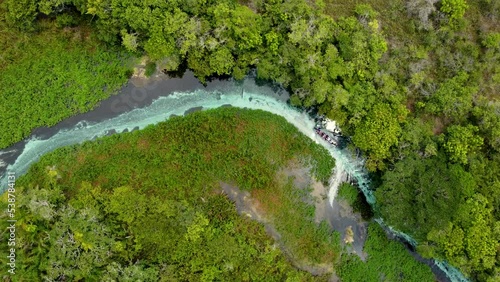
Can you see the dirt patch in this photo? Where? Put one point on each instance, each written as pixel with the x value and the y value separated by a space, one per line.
pixel 438 127
pixel 264 207
pixel 352 227
pixel 102 157
pixel 139 74
pixel 240 127
pixel 300 175
pixel 302 179
pixel 207 156
pixel 122 146
pixel 101 180
pixel 139 78
pixel 340 216
pixel 252 208
pixel 247 205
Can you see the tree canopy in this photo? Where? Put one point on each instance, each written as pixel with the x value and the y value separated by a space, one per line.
pixel 414 83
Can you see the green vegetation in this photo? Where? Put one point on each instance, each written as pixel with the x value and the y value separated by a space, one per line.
pixel 82 213
pixel 454 9
pixel 415 83
pixel 387 261
pixel 53 74
pixel 356 200
pixel 451 211
pixel 348 193
pixel 150 69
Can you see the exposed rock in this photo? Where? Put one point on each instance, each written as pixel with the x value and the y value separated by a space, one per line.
pixel 349 235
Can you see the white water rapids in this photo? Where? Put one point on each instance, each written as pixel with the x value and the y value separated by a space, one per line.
pixel 177 103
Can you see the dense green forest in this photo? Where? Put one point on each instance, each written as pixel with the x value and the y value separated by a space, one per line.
pixel 414 83
pixel 82 213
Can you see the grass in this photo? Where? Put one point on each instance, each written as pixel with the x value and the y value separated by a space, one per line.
pixel 53 74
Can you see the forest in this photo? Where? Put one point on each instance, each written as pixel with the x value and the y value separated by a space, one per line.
pixel 414 84
pixel 84 215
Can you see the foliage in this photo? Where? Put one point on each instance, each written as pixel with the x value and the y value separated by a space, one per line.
pixel 122 207
pixel 455 9
pixel 21 14
pixel 461 142
pixel 356 200
pixel 348 193
pixel 413 86
pixel 422 10
pixel 453 99
pixel 416 188
pixel 426 198
pixel 386 258
pixel 50 76
pixel 150 69
pixel 304 239
pixel 129 41
pixel 377 133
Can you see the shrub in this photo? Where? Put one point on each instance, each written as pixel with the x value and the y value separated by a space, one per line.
pixel 150 69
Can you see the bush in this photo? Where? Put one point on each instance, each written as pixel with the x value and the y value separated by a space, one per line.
pixel 65 20
pixel 150 69
pixel 348 193
pixel 454 9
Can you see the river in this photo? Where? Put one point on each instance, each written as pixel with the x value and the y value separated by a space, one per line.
pixel 141 103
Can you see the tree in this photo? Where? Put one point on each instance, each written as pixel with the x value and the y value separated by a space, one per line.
pixel 158 46
pixel 489 124
pixel 240 27
pixel 462 141
pixel 21 14
pixel 422 9
pixel 221 61
pixel 49 6
pixel 123 203
pixel 450 241
pixel 136 272
pixel 455 9
pixel 377 133
pixel 129 41
pixel 419 195
pixel 453 99
pixel 480 242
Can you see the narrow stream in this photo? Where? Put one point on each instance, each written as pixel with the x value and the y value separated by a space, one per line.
pixel 138 106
